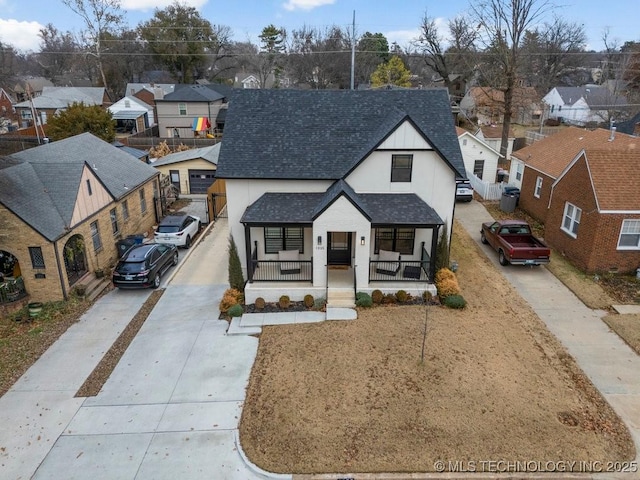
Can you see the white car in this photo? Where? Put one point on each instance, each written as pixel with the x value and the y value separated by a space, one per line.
pixel 177 229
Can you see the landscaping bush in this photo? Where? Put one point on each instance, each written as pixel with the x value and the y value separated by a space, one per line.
pixel 377 296
pixel 230 298
pixel 319 303
pixel 455 301
pixel 284 301
pixel 235 311
pixel 259 303
pixel 447 283
pixel 363 299
pixel 402 296
pixel 308 301
pixel 427 296
pixel 389 298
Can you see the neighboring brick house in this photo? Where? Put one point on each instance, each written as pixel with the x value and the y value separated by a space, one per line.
pixel 545 160
pixel 64 205
pixel 486 104
pixel 594 211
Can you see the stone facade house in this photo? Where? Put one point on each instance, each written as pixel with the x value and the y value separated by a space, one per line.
pixel 63 207
pixel 333 192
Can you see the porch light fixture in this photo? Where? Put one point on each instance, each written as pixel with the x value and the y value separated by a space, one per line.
pixel 319 239
pixel 361 240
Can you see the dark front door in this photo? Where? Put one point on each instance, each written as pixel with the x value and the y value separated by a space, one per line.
pixel 339 252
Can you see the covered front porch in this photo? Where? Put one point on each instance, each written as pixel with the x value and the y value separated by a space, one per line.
pixel 314 243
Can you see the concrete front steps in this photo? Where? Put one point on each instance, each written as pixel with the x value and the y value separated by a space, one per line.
pixel 93 285
pixel 341 298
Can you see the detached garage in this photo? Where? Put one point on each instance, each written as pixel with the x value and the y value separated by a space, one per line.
pixel 191 171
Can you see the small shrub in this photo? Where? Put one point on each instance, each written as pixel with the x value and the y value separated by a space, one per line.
pixel 427 296
pixel 363 299
pixel 319 303
pixel 377 296
pixel 259 303
pixel 447 283
pixel 235 311
pixel 230 298
pixel 402 296
pixel 455 301
pixel 308 301
pixel 284 302
pixel 389 298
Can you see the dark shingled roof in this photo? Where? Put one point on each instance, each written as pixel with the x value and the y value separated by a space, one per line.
pixel 304 208
pixel 198 93
pixel 42 187
pixel 311 134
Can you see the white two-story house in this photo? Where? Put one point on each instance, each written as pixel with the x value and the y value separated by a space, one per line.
pixel 339 189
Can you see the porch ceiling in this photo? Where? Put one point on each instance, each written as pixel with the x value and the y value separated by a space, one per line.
pixel 382 209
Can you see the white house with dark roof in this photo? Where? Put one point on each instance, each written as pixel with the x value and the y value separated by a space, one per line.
pixel 333 192
pixel 581 105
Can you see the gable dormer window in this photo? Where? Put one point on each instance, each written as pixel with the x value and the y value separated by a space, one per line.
pixel 401 166
pixel 89 191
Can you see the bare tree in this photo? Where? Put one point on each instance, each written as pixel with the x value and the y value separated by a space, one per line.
pixel 58 52
pixel 552 51
pixel 502 25
pixel 100 18
pixel 447 56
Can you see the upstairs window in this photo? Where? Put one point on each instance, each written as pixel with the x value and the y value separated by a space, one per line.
pixel 182 109
pixel 143 202
pixel 401 166
pixel 95 236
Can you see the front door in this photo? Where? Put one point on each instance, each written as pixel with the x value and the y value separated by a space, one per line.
pixel 339 252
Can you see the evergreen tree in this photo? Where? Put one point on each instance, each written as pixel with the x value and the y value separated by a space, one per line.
pixel 442 250
pixel 236 280
pixel 80 118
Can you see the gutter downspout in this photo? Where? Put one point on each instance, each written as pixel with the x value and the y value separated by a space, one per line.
pixel 64 290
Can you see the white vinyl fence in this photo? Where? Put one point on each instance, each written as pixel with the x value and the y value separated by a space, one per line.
pixel 487 190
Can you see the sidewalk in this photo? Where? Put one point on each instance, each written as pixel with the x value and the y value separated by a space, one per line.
pixel 612 366
pixel 169 410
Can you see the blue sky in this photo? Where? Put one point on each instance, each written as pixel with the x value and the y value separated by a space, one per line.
pixel 20 20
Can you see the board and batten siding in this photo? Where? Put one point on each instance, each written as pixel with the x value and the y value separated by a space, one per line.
pixel 89 203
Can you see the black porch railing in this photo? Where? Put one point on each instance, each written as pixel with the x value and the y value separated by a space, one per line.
pixel 12 290
pixel 281 271
pixel 401 270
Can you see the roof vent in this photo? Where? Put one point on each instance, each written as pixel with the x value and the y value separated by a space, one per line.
pixel 613 134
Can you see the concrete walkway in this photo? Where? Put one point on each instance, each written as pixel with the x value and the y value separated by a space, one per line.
pixel 612 366
pixel 171 407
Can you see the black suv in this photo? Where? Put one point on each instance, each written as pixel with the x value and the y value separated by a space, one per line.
pixel 142 265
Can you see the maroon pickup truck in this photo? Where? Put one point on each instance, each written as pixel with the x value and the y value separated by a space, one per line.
pixel 515 243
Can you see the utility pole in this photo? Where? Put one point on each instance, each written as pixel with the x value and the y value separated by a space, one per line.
pixel 353 51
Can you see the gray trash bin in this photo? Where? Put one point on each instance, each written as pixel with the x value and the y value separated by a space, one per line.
pixel 508 202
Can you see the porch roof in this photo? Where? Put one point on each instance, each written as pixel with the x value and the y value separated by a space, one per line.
pixel 381 208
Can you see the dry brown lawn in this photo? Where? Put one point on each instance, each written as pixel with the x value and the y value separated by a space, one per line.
pixel 627 327
pixel 495 385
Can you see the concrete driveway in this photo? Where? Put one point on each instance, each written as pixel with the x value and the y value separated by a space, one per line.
pixel 169 410
pixel 612 366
